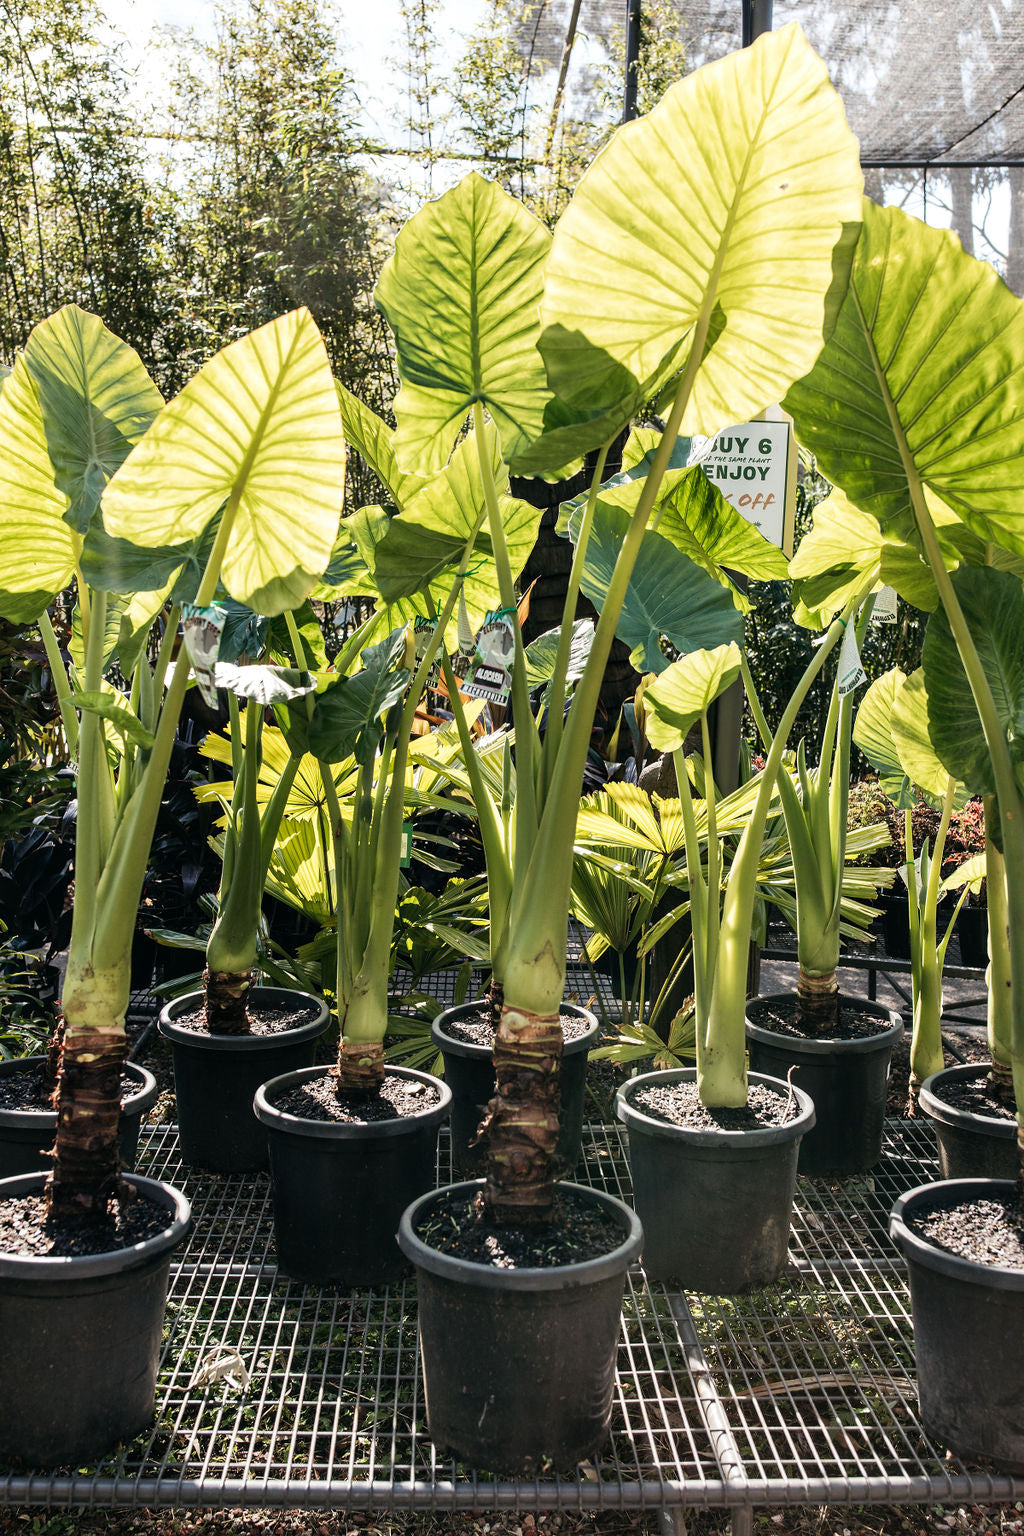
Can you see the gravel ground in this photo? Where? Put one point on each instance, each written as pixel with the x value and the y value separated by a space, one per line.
pixel 828 1520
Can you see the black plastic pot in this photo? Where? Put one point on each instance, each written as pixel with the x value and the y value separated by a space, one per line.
pixel 971 1146
pixel 847 1080
pixel 340 1189
pixel 216 1076
pixel 715 1205
pixel 972 931
pixel 519 1364
pixel 895 921
pixel 27 1135
pixel 469 1073
pixel 82 1340
pixel 968 1332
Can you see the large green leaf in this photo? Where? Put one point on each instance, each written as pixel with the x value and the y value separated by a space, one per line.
pixel 708 223
pixel 920 387
pixel 685 691
pixel 993 606
pixel 843 546
pixel 872 731
pixel 97 400
pixel 668 595
pixel 118 565
pixel 913 742
pixel 347 715
pixel 37 548
pixel 258 428
pixel 542 654
pixel 423 545
pixel 693 515
pixel 264 685
pixel 461 294
pixel 371 437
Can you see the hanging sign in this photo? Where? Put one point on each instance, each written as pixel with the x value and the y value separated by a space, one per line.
pixel 884 611
pixel 851 670
pixel 754 467
pixel 201 630
pixel 423 633
pixel 490 672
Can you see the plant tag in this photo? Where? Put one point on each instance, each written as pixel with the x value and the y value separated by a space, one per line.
pixel 851 671
pixel 490 672
pixel 405 857
pixel 884 611
pixel 201 629
pixel 423 633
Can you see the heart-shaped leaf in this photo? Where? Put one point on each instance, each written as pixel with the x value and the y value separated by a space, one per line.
pixel 371 437
pixel 97 401
pixel 38 549
pixel 347 715
pixel 668 595
pixel 461 294
pixel 920 387
pixel 423 546
pixel 706 224
pixel 258 432
pixel 993 606
pixel 685 691
pixel 872 731
pixel 263 685
pixel 910 736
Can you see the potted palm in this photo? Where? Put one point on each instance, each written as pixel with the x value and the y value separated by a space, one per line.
pixel 934 340
pixel 91 457
pixel 560 342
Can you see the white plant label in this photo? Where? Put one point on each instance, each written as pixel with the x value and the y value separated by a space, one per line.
pixel 490 672
pixel 201 630
pixel 851 670
pixel 423 633
pixel 884 611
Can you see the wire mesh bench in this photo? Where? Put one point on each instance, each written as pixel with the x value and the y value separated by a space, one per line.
pixel 801 1393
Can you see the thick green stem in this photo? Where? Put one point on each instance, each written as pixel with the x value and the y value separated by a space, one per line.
pixel 926 1040
pixel 1000 985
pixel 556 695
pixel 724 1080
pixel 69 719
pixel 535 976
pixel 490 823
pixel 527 736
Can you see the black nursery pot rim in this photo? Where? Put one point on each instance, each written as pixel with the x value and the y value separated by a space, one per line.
pixel 555 1278
pixel 824 1045
pixel 471 1048
pixel 942 1196
pixel 767 1136
pixel 936 1108
pixel 269 996
pixel 343 1130
pixel 136 1102
pixel 41 1268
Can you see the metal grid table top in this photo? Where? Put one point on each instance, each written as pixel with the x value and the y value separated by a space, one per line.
pixel 800 1393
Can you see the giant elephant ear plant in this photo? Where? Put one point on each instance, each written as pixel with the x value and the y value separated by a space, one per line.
pixel 238 480
pixel 701 260
pixel 916 409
